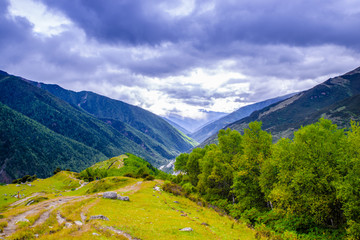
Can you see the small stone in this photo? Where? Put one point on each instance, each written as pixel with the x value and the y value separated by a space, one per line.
pixel 176 202
pixel 22 220
pixel 36 235
pixel 157 188
pixel 95 234
pixel 78 223
pixel 125 198
pixel 183 215
pixel 205 224
pixel 17 185
pixel 187 229
pixel 102 217
pixel 110 195
pixel 29 202
pixel 68 224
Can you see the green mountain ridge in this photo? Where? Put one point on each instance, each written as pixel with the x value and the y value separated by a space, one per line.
pixel 140 119
pixel 213 127
pixel 27 147
pixel 285 117
pixel 105 137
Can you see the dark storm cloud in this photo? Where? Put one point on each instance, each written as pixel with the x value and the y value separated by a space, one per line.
pixel 15 35
pixel 129 21
pixel 126 48
pixel 297 22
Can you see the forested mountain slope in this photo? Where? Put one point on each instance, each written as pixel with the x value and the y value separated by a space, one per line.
pixel 106 108
pixel 103 137
pixel 335 99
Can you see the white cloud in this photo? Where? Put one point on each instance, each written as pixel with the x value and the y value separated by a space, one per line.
pixel 45 22
pixel 183 76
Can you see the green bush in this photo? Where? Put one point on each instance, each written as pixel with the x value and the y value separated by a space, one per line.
pixel 173 188
pixel 149 178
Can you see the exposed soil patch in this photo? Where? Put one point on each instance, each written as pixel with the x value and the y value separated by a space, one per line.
pixel 24 200
pixel 47 205
pixel 132 188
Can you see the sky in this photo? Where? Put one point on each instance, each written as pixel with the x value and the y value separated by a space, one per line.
pixel 182 57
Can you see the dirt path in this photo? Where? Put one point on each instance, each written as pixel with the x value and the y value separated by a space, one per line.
pixel 42 218
pixel 131 188
pixel 85 209
pixel 24 199
pixel 47 205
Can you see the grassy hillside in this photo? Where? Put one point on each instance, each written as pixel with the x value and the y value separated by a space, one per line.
pixel 124 165
pixel 58 213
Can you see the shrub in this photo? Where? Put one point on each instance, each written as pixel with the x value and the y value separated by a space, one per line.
pixel 24 179
pixel 149 178
pixel 173 188
pixel 189 188
pixel 131 175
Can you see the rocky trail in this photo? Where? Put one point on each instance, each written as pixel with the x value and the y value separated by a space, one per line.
pixel 45 208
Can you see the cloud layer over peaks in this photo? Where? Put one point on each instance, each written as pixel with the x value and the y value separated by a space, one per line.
pixel 184 56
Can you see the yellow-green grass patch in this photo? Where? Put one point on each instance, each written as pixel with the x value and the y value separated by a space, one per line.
pixel 154 215
pixel 60 182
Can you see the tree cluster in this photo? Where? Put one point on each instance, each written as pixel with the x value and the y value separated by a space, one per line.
pixel 24 179
pixel 307 187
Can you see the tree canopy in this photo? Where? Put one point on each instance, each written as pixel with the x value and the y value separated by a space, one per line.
pixel 308 186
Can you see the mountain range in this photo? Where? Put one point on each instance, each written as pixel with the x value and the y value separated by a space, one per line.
pixel 45 126
pixel 212 128
pixel 336 99
pixel 191 125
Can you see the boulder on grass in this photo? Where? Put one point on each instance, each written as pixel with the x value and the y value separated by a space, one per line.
pixel 110 195
pixel 123 198
pixel 187 229
pixel 102 217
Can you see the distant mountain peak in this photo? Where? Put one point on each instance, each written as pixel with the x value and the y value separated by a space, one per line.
pixel 355 71
pixel 2 73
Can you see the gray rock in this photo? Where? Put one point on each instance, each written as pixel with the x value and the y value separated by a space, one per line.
pixel 176 202
pixel 22 220
pixel 187 229
pixel 68 224
pixel 123 198
pixel 110 195
pixel 102 217
pixel 29 202
pixel 78 223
